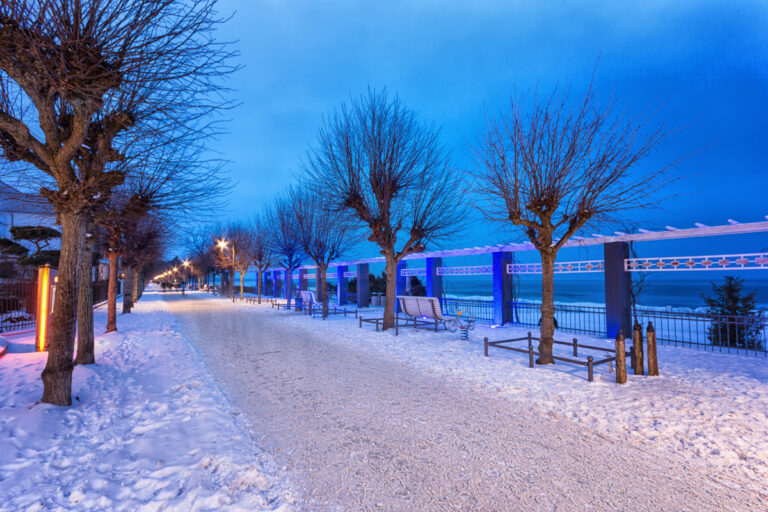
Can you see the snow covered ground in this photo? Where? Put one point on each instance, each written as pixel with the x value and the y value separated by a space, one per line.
pixel 710 409
pixel 149 430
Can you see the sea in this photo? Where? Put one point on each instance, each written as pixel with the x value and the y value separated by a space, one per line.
pixel 661 289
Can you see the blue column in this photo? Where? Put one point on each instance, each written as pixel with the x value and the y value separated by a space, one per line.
pixel 302 279
pixel 618 285
pixel 434 281
pixel 502 287
pixel 342 285
pixel 400 283
pixel 302 287
pixel 363 286
pixel 287 286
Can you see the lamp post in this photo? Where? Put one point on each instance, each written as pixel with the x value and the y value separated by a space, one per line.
pixel 187 266
pixel 224 244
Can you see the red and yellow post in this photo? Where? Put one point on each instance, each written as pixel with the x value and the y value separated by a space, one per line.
pixel 46 291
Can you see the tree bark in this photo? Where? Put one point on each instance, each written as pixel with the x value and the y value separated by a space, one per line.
pixel 112 292
pixel 136 280
pixel 57 375
pixel 242 284
pixel 85 343
pixel 391 292
pixel 127 289
pixel 259 284
pixel 323 285
pixel 547 332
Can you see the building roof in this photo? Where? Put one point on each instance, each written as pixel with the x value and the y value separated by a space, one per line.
pixel 14 201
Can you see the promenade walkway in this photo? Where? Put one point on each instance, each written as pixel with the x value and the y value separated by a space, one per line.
pixel 353 431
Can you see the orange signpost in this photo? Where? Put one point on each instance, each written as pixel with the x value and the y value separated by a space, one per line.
pixel 46 291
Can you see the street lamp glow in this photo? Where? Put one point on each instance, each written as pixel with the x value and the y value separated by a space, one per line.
pixel 223 244
pixel 186 263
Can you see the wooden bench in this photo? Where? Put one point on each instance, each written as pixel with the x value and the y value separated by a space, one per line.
pixel 427 311
pixel 312 306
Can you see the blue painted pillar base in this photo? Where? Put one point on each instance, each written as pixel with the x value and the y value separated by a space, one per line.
pixel 434 281
pixel 503 287
pixel 363 286
pixel 618 287
pixel 342 285
pixel 400 283
pixel 288 281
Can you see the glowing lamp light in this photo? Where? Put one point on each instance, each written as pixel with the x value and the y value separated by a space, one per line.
pixel 45 296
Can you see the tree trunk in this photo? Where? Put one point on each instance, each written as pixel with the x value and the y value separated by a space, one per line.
pixel 112 292
pixel 127 289
pixel 57 375
pixel 324 297
pixel 547 332
pixel 136 280
pixel 85 343
pixel 259 280
pixel 242 284
pixel 391 293
pixel 288 287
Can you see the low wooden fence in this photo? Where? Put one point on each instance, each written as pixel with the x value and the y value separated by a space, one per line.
pixel 589 362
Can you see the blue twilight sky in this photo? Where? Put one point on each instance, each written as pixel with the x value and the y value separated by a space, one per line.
pixel 705 61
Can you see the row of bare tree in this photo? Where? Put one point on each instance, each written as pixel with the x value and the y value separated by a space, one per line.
pixel 108 106
pixel 548 165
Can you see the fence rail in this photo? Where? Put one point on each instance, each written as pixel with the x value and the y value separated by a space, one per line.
pixel 482 310
pixel 703 331
pixel 17 305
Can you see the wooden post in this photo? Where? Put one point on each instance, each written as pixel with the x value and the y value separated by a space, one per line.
pixel 621 359
pixel 530 351
pixel 575 347
pixel 485 342
pixel 653 360
pixel 637 349
pixel 590 369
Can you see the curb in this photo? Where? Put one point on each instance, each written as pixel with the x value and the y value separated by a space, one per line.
pixel 3 346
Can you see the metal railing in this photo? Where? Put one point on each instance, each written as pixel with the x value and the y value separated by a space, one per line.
pixel 718 333
pixel 481 310
pixel 568 317
pixel 17 305
pixel 704 331
pixel 101 290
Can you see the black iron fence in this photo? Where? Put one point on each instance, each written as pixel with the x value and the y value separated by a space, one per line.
pixel 719 333
pixel 101 290
pixel 17 305
pixel 481 310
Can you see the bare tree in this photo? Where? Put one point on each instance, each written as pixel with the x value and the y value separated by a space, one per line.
pixel 74 76
pixel 284 238
pixel 325 234
pixel 262 251
pixel 201 255
pixel 236 250
pixel 374 159
pixel 550 165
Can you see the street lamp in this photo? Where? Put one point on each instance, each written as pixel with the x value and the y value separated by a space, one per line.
pixel 223 244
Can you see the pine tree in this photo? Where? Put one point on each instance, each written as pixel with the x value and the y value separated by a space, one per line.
pixel 735 322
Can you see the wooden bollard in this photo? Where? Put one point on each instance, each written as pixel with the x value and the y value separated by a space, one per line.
pixel 530 350
pixel 485 342
pixel 621 359
pixel 653 360
pixel 637 348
